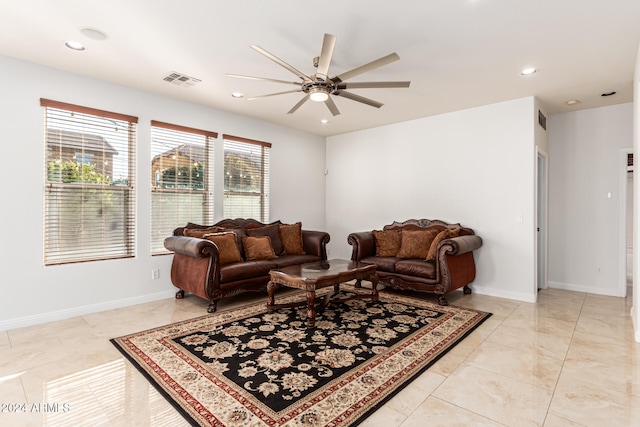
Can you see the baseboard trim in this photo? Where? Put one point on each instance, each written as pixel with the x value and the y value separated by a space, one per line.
pixel 501 293
pixel 51 316
pixel 636 326
pixel 583 288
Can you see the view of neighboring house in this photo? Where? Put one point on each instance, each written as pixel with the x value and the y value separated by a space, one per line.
pixel 82 148
pixel 186 159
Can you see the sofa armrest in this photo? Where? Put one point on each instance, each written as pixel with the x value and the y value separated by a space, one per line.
pixel 461 244
pixel 456 267
pixel 315 243
pixel 363 245
pixel 191 246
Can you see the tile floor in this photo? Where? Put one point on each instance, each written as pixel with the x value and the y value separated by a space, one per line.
pixel 568 360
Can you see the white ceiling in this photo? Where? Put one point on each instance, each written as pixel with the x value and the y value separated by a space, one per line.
pixel 457 53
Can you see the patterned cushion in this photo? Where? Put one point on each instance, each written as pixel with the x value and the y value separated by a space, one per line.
pixel 291 237
pixel 416 243
pixel 444 234
pixel 272 231
pixel 227 246
pixel 387 242
pixel 200 232
pixel 258 248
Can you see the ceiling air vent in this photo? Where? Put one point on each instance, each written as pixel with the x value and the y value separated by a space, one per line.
pixel 180 79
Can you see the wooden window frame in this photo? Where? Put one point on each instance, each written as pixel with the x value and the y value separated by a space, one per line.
pixel 90 219
pixel 180 203
pixel 264 208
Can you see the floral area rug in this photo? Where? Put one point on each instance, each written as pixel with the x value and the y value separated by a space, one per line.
pixel 248 367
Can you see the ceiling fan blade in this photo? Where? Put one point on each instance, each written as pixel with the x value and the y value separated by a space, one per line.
pixel 280 62
pixel 298 105
pixel 359 98
pixel 273 94
pixel 238 76
pixel 332 106
pixel 328 44
pixel 371 85
pixel 392 57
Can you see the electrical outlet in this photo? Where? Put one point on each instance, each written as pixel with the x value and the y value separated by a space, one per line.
pixel 155 274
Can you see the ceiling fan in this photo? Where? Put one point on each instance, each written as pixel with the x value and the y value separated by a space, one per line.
pixel 319 87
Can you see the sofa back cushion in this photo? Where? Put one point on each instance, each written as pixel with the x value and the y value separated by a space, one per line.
pixel 271 231
pixel 227 246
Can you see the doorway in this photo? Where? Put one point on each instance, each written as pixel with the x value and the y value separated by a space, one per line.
pixel 626 208
pixel 542 176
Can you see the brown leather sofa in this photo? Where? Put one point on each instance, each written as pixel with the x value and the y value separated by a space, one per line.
pixel 451 266
pixel 197 266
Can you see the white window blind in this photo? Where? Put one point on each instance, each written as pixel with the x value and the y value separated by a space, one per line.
pixel 246 178
pixel 181 179
pixel 89 179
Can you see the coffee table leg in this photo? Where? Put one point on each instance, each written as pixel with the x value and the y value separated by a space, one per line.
pixel 311 309
pixel 374 286
pixel 271 288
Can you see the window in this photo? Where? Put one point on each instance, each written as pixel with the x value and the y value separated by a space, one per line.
pixel 180 180
pixel 89 179
pixel 246 178
pixel 84 158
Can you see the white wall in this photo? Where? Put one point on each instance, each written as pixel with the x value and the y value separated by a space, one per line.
pixel 585 237
pixel 635 310
pixel 32 293
pixel 474 166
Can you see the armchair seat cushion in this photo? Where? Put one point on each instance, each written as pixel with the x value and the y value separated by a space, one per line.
pixel 416 267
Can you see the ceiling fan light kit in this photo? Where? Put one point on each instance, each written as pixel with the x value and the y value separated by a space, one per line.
pixel 319 87
pixel 318 94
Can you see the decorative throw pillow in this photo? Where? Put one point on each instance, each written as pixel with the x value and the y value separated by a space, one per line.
pixel 291 237
pixel 200 232
pixel 272 231
pixel 227 246
pixel 239 232
pixel 416 243
pixel 258 248
pixel 444 234
pixel 388 242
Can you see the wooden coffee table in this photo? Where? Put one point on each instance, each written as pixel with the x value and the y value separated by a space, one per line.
pixel 314 276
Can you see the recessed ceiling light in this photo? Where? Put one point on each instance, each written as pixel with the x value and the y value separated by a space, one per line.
pixel 94 33
pixel 572 102
pixel 237 95
pixel 528 71
pixel 324 121
pixel 609 93
pixel 74 45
